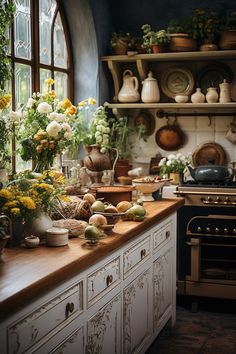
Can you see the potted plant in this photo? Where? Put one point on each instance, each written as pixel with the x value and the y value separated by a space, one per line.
pixel 181 39
pixel 228 34
pixel 119 42
pixel 174 166
pixel 206 27
pixel 154 41
pixel 5 232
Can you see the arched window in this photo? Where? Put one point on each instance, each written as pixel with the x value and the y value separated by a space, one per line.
pixel 40 49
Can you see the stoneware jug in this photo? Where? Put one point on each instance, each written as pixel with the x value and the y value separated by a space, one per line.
pixel 129 90
pixel 212 95
pixel 150 91
pixel 198 96
pixel 224 92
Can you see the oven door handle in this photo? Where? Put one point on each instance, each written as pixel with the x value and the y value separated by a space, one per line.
pixel 195 244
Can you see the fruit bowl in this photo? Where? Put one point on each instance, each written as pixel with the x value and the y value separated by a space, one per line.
pixel 112 218
pixel 146 186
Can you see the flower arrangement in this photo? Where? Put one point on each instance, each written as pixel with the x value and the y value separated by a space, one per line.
pixel 23 197
pixel 47 127
pixel 174 163
pixel 151 37
pixel 91 125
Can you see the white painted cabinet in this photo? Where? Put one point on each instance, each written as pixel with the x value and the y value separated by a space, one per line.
pixel 104 329
pixel 136 327
pixel 119 305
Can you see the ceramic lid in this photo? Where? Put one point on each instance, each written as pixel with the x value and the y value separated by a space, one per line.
pixel 56 231
pixel 150 77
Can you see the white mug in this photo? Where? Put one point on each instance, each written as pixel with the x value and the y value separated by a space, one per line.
pixel 231 134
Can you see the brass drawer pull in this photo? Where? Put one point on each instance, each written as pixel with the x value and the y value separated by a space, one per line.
pixel 167 234
pixel 143 253
pixel 109 279
pixel 69 308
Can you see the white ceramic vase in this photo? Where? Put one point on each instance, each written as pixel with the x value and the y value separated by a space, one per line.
pixel 198 96
pixel 212 95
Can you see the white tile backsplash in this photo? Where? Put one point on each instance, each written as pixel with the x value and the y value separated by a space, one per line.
pixel 197 130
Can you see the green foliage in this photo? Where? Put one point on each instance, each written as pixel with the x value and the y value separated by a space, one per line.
pixel 229 22
pixel 206 25
pixel 7 10
pixel 4 156
pixel 151 37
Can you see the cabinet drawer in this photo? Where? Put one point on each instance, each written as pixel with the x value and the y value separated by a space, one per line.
pixel 44 321
pixel 161 235
pixel 103 279
pixel 136 254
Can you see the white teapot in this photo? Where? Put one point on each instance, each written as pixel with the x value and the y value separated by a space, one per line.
pixel 150 91
pixel 129 90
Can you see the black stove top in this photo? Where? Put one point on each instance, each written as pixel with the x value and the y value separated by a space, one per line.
pixel 223 184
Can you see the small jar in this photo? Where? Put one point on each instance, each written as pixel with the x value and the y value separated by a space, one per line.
pixel 32 241
pixel 212 95
pixel 57 237
pixel 198 96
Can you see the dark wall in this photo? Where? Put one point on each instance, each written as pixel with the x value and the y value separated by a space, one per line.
pixel 132 14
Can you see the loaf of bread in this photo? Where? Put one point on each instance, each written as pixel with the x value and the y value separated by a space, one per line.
pixel 75 227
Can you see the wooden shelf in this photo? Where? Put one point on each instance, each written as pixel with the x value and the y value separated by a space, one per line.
pixel 191 108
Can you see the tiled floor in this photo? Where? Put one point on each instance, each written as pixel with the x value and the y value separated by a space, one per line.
pixel 210 330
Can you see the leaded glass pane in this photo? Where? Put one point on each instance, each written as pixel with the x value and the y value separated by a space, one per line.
pixel 46 14
pixel 59 42
pixel 44 75
pixel 22 83
pixel 61 80
pixel 22 40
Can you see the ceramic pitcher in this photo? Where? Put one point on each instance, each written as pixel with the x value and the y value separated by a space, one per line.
pixel 129 90
pixel 224 92
pixel 150 91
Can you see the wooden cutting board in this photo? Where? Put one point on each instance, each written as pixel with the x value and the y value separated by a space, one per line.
pixel 208 153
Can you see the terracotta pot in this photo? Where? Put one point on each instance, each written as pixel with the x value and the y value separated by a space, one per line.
pixel 158 48
pixel 121 47
pixel 96 160
pixel 121 168
pixel 228 40
pixel 182 42
pixel 206 47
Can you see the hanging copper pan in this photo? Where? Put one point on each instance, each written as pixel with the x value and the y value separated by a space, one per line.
pixel 170 137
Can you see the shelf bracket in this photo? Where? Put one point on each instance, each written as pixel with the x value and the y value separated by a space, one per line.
pixel 142 68
pixel 114 69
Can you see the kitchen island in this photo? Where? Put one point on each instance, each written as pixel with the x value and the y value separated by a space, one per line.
pixel 94 298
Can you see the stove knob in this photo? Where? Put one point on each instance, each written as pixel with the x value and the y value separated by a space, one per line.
pixel 217 230
pixel 217 200
pixel 226 230
pixel 208 230
pixel 234 231
pixel 199 229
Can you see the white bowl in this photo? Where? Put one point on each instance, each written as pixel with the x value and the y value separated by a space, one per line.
pixel 181 98
pixel 146 188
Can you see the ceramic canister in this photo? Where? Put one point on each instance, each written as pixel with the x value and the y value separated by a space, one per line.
pixel 150 91
pixel 212 95
pixel 198 96
pixel 57 237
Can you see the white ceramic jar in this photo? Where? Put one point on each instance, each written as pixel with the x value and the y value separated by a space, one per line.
pixel 32 241
pixel 224 92
pixel 150 91
pixel 57 237
pixel 198 96
pixel 212 95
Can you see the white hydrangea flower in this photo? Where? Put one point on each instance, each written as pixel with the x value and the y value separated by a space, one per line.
pixel 44 107
pixel 162 161
pixel 171 157
pixel 99 139
pixel 168 163
pixel 99 128
pixel 15 117
pixel 30 103
pixel 53 129
pixel 68 135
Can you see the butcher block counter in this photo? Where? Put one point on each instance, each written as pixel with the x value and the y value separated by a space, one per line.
pixel 28 275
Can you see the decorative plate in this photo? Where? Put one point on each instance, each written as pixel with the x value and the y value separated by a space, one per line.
pixel 213 75
pixel 209 151
pixel 233 90
pixel 175 81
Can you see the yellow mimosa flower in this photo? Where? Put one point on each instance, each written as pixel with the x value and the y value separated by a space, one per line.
pixel 49 81
pixel 82 103
pixel 91 100
pixel 15 211
pixel 4 193
pixel 71 110
pixel 66 103
pixel 28 202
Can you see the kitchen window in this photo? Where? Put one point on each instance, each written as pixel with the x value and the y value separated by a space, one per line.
pixel 40 48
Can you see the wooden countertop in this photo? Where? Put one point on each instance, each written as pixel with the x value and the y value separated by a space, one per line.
pixel 28 273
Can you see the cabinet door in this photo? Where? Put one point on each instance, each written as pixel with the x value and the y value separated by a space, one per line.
pixel 137 313
pixel 104 329
pixel 162 286
pixel 74 344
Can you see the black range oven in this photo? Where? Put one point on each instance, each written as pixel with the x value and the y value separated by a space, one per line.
pixel 207 240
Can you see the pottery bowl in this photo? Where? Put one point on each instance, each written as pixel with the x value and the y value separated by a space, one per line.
pixel 112 218
pixel 181 98
pixel 147 187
